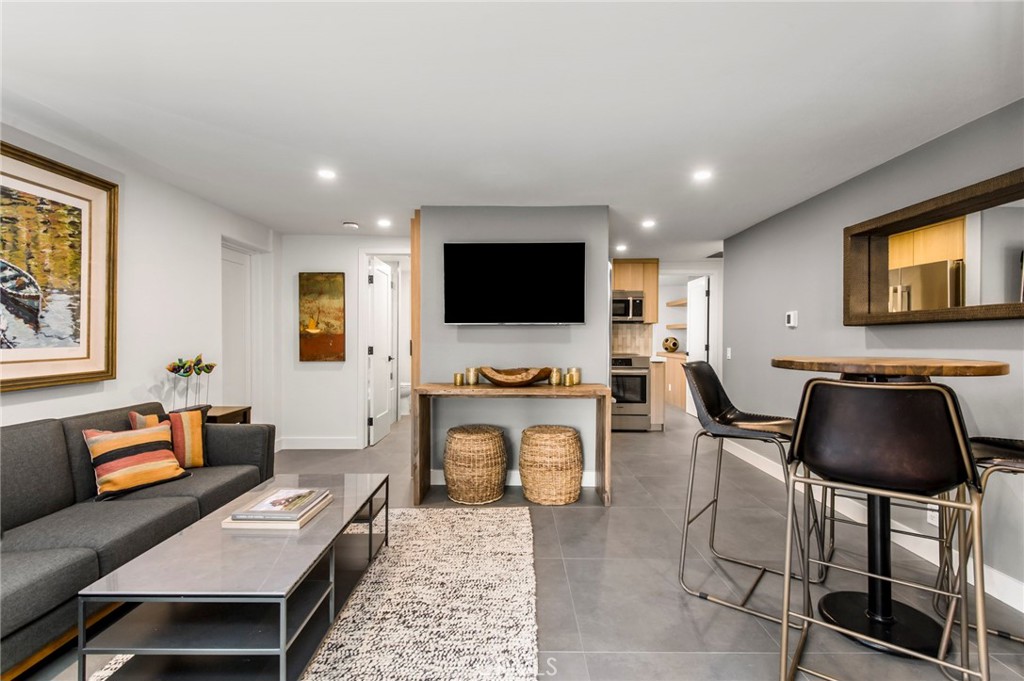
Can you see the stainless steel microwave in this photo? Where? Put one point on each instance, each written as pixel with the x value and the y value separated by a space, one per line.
pixel 627 306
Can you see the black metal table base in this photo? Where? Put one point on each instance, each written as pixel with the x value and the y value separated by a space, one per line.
pixel 908 627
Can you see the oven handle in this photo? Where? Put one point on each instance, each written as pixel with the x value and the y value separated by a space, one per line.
pixel 630 372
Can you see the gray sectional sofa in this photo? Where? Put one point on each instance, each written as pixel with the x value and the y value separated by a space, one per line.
pixel 56 539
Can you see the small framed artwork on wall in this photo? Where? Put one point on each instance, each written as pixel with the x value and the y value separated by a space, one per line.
pixel 321 317
pixel 58 250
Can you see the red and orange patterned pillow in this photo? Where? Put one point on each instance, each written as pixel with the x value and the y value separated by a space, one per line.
pixel 186 433
pixel 132 459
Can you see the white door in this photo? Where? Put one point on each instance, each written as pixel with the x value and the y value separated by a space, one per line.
pixel 697 340
pixel 234 364
pixel 382 361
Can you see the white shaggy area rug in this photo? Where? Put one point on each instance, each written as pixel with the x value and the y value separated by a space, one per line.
pixel 452 597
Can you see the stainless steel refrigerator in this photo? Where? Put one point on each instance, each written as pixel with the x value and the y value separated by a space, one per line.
pixel 933 286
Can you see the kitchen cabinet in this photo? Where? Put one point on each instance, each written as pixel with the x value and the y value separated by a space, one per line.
pixel 941 241
pixel 658 395
pixel 675 378
pixel 638 274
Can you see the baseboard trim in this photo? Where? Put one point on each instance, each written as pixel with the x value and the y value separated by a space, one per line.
pixel 512 479
pixel 998 585
pixel 319 443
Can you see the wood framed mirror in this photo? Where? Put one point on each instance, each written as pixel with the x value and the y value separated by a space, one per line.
pixel 954 258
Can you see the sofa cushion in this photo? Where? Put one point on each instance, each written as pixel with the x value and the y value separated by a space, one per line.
pixel 35 582
pixel 117 530
pixel 212 487
pixel 132 459
pixel 78 452
pixel 36 477
pixel 186 433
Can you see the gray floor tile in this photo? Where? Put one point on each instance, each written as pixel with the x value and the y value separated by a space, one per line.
pixel 683 666
pixel 870 666
pixel 545 536
pixel 631 605
pixel 556 617
pixel 561 666
pixel 616 532
pixel 1014 663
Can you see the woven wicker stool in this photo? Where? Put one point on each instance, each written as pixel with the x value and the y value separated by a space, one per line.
pixel 551 464
pixel 475 464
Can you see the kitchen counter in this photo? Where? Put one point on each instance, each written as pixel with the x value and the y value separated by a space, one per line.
pixel 675 378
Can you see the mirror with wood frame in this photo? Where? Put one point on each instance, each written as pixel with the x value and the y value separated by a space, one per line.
pixel 956 257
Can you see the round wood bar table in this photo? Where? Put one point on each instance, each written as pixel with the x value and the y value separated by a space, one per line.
pixel 875 613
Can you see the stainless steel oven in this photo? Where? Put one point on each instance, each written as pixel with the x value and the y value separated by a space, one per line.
pixel 627 306
pixel 631 390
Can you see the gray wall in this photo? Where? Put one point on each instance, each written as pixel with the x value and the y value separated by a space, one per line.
pixel 1002 240
pixel 793 261
pixel 447 349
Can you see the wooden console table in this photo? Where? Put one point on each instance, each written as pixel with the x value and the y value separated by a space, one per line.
pixel 229 415
pixel 422 431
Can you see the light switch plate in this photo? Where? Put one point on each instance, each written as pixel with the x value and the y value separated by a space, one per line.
pixel 791 320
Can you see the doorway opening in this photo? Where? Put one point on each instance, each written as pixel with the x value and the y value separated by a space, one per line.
pixel 386 319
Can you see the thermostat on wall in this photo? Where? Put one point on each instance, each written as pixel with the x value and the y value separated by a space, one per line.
pixel 791 319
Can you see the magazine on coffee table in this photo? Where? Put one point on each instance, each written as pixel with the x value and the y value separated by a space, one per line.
pixel 287 504
pixel 312 512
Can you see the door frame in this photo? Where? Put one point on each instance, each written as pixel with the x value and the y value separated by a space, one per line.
pixel 362 334
pixel 714 270
pixel 261 345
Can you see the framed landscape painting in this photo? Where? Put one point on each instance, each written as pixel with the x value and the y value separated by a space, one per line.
pixel 321 317
pixel 58 247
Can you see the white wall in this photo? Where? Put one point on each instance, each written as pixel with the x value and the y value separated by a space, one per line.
pixel 323 404
pixel 168 279
pixel 447 349
pixel 794 261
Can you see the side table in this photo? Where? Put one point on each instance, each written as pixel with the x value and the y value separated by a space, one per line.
pixel 229 415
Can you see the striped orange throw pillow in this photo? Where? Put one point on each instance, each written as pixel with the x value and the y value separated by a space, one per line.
pixel 186 433
pixel 132 459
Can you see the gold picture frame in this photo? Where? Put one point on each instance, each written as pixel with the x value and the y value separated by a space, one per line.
pixel 58 273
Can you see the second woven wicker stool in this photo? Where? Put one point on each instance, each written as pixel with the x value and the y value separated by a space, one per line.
pixel 551 464
pixel 475 464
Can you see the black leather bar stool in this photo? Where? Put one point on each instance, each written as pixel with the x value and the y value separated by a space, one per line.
pixel 993 455
pixel 888 441
pixel 720 419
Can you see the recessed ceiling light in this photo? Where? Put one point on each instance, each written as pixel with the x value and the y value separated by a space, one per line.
pixel 620 248
pixel 326 174
pixel 702 175
pixel 383 222
pixel 350 225
pixel 648 223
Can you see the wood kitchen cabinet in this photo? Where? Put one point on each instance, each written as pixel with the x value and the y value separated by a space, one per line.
pixel 675 378
pixel 658 395
pixel 934 243
pixel 638 274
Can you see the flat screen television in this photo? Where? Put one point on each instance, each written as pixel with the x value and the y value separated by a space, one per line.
pixel 515 283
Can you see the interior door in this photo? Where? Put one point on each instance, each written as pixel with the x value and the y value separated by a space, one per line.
pixel 382 362
pixel 698 295
pixel 236 329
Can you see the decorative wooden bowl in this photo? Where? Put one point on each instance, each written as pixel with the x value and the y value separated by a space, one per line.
pixel 515 378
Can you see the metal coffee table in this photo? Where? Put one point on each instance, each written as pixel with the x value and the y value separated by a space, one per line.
pixel 215 603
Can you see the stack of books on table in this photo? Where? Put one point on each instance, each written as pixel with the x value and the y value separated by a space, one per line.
pixel 281 509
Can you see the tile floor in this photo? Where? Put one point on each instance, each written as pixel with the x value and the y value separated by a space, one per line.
pixel 609 605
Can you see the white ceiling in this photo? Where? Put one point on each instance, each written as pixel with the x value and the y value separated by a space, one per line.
pixel 514 104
